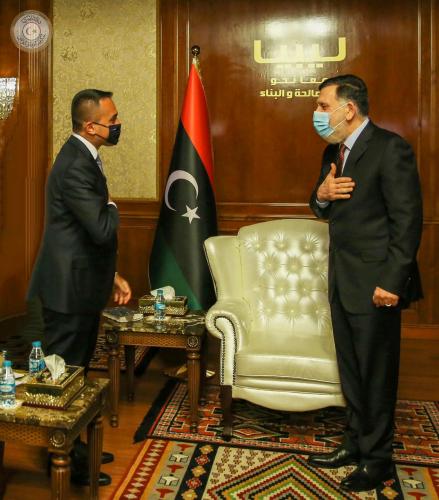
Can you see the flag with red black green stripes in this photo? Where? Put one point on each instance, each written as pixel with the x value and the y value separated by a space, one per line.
pixel 188 212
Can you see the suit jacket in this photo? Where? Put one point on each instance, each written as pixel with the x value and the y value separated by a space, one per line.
pixel 74 271
pixel 374 235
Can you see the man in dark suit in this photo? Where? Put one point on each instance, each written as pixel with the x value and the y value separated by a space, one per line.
pixel 75 270
pixel 369 190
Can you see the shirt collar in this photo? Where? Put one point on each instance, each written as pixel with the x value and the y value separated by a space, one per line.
pixel 350 141
pixel 88 144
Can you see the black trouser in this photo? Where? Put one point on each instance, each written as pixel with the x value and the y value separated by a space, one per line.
pixel 71 336
pixel 368 347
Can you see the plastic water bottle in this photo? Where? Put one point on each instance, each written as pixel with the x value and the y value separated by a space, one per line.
pixel 159 306
pixel 7 386
pixel 4 357
pixel 36 359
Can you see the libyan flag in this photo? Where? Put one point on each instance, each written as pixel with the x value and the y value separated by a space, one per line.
pixel 188 214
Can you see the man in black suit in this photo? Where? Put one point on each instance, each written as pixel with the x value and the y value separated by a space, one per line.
pixel 369 190
pixel 75 270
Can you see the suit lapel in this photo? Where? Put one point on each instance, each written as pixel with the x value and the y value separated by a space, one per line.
pixel 83 148
pixel 358 149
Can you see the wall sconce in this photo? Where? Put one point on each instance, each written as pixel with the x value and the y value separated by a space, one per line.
pixel 8 87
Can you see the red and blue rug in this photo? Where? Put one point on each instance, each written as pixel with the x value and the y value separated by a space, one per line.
pixel 168 469
pixel 266 458
pixel 416 434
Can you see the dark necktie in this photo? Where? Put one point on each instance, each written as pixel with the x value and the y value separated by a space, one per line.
pixel 340 160
pixel 99 162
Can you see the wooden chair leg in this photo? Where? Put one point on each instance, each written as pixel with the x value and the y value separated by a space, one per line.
pixel 226 405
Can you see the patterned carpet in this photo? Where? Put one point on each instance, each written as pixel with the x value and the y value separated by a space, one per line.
pixel 167 469
pixel 416 435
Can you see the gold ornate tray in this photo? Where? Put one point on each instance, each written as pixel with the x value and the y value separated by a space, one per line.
pixel 48 394
pixel 174 307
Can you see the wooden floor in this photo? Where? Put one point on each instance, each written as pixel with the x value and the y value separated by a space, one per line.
pixel 26 466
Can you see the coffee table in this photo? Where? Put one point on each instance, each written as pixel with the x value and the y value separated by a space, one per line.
pixel 186 332
pixel 56 430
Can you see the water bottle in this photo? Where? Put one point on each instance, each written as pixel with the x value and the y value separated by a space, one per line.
pixel 159 306
pixel 4 357
pixel 36 359
pixel 7 386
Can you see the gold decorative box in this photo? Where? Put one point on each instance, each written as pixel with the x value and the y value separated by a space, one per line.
pixel 43 392
pixel 174 307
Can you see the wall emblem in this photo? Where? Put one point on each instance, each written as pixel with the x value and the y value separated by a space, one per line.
pixel 31 31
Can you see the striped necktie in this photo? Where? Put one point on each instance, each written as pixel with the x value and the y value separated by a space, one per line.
pixel 340 160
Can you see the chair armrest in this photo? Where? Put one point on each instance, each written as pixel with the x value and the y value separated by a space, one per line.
pixel 228 320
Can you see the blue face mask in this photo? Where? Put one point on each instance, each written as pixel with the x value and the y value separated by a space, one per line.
pixel 320 121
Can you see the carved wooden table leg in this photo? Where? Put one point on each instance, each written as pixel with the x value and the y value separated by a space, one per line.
pixel 193 378
pixel 60 474
pixel 95 433
pixel 129 361
pixel 114 374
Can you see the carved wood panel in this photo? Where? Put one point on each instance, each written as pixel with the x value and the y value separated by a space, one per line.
pixel 24 143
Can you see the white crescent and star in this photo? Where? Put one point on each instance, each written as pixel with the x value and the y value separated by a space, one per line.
pixel 182 175
pixel 31 31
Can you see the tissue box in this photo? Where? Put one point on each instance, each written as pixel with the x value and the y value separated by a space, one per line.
pixel 58 395
pixel 174 307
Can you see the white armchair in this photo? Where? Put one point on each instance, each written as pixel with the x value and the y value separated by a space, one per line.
pixel 272 317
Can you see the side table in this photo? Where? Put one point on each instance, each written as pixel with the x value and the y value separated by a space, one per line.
pixel 56 430
pixel 186 332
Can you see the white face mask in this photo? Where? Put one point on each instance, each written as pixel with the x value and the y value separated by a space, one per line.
pixel 321 122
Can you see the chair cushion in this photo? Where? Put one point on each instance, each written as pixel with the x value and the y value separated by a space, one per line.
pixel 308 359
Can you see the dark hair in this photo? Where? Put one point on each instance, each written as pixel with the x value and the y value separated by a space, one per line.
pixel 82 105
pixel 350 88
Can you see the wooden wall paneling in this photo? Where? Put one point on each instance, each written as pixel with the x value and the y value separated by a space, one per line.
pixel 428 97
pixel 38 147
pixel 266 150
pixel 429 264
pixel 24 161
pixel 418 374
pixel 429 159
pixel 173 73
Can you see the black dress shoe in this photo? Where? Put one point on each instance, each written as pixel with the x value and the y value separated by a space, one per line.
pixel 367 477
pixel 81 477
pixel 337 458
pixel 80 451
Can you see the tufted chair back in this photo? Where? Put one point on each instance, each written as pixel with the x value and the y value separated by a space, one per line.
pixel 272 316
pixel 284 278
